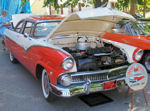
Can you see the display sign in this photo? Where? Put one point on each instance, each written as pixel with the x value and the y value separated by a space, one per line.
pixel 136 76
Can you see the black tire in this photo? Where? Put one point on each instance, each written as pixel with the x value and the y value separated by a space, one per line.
pixel 46 89
pixel 146 61
pixel 12 58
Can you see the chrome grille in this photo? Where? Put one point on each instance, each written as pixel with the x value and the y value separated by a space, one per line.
pixel 116 74
pixel 91 77
pixel 99 77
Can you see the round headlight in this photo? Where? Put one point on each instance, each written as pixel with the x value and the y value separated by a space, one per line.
pixel 65 80
pixel 67 64
pixel 138 55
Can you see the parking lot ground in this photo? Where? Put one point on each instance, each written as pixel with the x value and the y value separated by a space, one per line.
pixel 20 91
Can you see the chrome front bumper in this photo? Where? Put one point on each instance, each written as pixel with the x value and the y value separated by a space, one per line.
pixel 87 86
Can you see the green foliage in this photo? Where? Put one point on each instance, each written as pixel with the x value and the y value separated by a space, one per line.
pixel 67 3
pixel 141 3
pixel 23 2
pixel 51 3
pixel 55 4
pixel 74 2
pixel 148 4
pixel 121 4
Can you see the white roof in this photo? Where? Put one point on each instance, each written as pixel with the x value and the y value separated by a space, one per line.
pixel 17 17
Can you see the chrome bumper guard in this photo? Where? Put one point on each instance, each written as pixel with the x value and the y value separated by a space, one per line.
pixel 87 86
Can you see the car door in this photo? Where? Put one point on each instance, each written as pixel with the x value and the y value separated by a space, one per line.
pixel 12 41
pixel 27 32
pixel 25 41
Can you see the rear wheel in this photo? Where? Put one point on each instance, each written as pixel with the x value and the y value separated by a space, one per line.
pixel 146 61
pixel 12 58
pixel 45 83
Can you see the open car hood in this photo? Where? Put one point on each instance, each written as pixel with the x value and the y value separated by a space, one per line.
pixel 89 22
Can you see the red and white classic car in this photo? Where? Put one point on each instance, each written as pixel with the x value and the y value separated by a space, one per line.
pixel 72 59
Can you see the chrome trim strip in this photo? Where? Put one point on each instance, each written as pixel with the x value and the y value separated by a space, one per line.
pixel 102 54
pixel 87 86
pixel 97 72
pixel 84 88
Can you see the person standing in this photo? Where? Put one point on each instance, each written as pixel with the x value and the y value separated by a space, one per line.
pixel 4 23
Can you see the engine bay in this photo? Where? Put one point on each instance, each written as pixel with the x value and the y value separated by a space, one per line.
pixel 95 55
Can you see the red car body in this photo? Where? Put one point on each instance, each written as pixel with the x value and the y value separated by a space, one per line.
pixel 50 59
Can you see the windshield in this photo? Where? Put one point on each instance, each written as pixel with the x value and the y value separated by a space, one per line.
pixel 44 28
pixel 140 28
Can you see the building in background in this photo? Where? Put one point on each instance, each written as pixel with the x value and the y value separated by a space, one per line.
pixel 37 7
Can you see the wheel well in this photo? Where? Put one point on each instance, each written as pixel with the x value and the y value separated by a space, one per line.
pixel 145 52
pixel 39 70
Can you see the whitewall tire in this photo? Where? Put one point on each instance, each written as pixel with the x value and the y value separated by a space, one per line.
pixel 146 61
pixel 46 89
pixel 12 58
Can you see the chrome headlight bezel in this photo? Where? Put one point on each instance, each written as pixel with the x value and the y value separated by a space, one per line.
pixel 64 80
pixel 138 55
pixel 67 63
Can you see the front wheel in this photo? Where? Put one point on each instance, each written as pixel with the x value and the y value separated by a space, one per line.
pixel 45 83
pixel 146 61
pixel 12 58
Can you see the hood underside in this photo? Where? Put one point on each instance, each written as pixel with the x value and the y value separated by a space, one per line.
pixel 90 22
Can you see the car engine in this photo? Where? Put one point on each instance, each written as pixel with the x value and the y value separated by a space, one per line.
pixel 95 55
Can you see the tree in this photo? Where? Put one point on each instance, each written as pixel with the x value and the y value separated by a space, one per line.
pixel 143 5
pixel 55 4
pixel 122 4
pixel 144 9
pixel 134 5
pixel 98 3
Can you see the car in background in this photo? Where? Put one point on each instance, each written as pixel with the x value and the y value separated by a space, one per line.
pixel 133 33
pixel 141 18
pixel 72 59
pixel 138 16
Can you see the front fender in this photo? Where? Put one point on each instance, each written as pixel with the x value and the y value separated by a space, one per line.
pixel 125 48
pixel 51 60
pixel 52 73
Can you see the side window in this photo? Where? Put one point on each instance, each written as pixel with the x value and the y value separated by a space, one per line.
pixel 137 29
pixel 19 27
pixel 127 32
pixel 121 29
pixel 28 29
pixel 44 28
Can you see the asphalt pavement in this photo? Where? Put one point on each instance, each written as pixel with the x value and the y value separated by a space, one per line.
pixel 20 91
